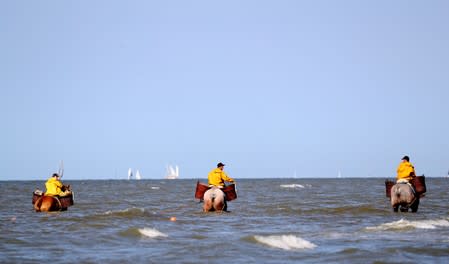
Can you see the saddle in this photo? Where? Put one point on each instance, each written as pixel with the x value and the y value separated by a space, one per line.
pixel 409 184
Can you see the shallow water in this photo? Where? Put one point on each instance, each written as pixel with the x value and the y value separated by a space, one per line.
pixel 272 221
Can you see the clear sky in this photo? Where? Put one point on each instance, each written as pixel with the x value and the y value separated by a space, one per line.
pixel 266 87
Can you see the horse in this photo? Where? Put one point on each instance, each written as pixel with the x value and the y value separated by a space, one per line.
pixel 215 198
pixel 47 203
pixel 404 197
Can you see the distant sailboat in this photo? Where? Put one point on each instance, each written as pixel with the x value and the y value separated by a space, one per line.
pixel 172 173
pixel 130 174
pixel 138 177
pixel 339 174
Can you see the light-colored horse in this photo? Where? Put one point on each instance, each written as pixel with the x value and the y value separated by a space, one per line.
pixel 403 198
pixel 214 200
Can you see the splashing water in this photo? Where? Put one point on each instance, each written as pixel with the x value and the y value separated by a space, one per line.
pixel 286 242
pixel 151 232
pixel 405 224
pixel 292 186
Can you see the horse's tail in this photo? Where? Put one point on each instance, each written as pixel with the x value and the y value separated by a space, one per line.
pixel 397 192
pixel 212 197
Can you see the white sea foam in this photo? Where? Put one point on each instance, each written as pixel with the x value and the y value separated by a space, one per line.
pixel 286 242
pixel 126 211
pixel 151 232
pixel 294 185
pixel 155 187
pixel 405 224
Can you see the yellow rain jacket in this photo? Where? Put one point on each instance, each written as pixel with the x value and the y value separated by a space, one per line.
pixel 53 187
pixel 404 170
pixel 217 177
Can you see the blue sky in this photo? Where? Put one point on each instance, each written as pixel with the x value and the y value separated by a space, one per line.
pixel 267 87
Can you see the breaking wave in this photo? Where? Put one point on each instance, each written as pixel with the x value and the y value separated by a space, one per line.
pixel 128 212
pixel 286 242
pixel 292 186
pixel 151 232
pixel 405 224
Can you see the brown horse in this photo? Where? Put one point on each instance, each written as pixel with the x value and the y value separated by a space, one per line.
pixel 46 203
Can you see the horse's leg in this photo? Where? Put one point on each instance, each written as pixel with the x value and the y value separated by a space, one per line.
pixel 219 201
pixel 218 205
pixel 207 201
pixel 394 198
pixel 47 203
pixel 404 208
pixel 207 206
pixel 415 205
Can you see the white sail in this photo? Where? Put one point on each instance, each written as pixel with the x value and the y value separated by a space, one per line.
pixel 130 174
pixel 172 173
pixel 138 177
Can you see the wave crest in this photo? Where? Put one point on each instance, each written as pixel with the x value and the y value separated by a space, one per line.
pixel 405 224
pixel 134 211
pixel 286 242
pixel 151 232
pixel 294 185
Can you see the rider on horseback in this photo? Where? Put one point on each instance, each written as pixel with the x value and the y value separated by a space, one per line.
pixel 403 194
pixel 406 171
pixel 217 176
pixel 214 198
pixel 55 187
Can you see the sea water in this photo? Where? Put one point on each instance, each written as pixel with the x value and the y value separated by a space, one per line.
pixel 272 221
